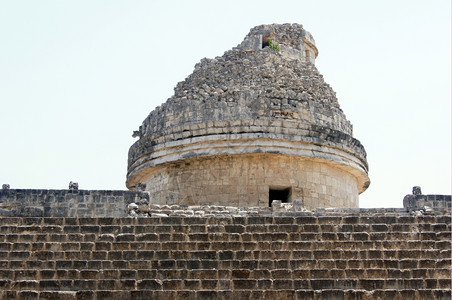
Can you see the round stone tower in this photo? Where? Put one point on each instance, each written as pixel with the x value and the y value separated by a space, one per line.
pixel 254 125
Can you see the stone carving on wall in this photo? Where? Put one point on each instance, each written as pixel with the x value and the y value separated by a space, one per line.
pixel 73 185
pixel 417 190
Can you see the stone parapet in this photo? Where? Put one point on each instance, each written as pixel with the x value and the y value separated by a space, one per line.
pixel 118 203
pixel 67 203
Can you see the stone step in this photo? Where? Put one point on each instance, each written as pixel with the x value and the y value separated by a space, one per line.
pixel 441 294
pixel 225 262
pixel 388 229
pixel 222 241
pixel 236 283
pixel 337 250
pixel 280 225
pixel 238 272
pixel 75 251
pixel 328 218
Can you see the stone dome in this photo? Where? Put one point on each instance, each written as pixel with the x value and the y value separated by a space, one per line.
pixel 254 125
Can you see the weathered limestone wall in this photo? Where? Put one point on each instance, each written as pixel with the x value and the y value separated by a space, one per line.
pixel 107 203
pixel 67 203
pixel 245 181
pixel 249 86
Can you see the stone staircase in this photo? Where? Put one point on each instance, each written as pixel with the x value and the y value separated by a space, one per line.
pixel 343 255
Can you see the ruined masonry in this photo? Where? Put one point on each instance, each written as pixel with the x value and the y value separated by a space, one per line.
pixel 244 185
pixel 254 125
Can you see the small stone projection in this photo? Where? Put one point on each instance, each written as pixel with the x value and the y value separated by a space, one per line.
pixel 243 185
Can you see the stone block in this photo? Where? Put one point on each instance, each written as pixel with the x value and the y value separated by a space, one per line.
pixel 194 220
pixel 149 284
pixel 25 275
pixel 86 295
pixel 305 294
pixel 376 273
pixel 129 255
pixel 192 284
pixel 16 264
pixel 282 284
pixel 360 236
pixel 322 254
pixel 371 284
pixel 281 263
pixel 207 294
pixel 120 264
pixel 319 273
pixel 306 220
pixel 144 294
pixel 27 295
pixel 195 237
pixel 6 274
pixel 203 274
pixel 240 274
pixel 61 295
pixel 19 255
pixel 167 264
pixel 25 284
pixel 244 284
pixel 209 284
pixel 209 264
pixel 331 294
pixel 193 264
pixel 357 273
pixel 127 284
pixel 45 274
pixel 52 285
pixel 408 263
pixel 85 285
pixel 10 238
pixel 322 284
pixel 265 264
pixel 442 294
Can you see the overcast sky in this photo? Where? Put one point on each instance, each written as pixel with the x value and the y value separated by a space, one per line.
pixel 77 77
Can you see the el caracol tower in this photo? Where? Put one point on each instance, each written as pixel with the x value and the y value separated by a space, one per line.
pixel 255 125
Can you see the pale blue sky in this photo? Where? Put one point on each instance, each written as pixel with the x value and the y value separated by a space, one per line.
pixel 77 77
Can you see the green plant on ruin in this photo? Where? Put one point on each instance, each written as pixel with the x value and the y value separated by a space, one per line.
pixel 273 45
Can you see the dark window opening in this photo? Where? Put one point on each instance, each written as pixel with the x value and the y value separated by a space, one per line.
pixel 278 194
pixel 308 56
pixel 265 40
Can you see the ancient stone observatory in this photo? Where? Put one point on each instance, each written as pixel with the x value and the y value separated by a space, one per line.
pixel 255 125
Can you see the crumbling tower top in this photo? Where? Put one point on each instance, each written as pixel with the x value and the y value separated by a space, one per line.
pixel 292 39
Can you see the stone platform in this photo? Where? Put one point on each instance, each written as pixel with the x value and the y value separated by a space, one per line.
pixel 327 254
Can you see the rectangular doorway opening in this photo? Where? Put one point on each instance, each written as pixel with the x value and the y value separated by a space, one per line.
pixel 282 194
pixel 265 40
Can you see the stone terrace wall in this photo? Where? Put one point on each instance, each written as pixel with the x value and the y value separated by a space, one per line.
pixel 329 254
pixel 67 203
pixel 436 202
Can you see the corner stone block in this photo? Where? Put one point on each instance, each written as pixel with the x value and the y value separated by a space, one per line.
pixel 149 284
